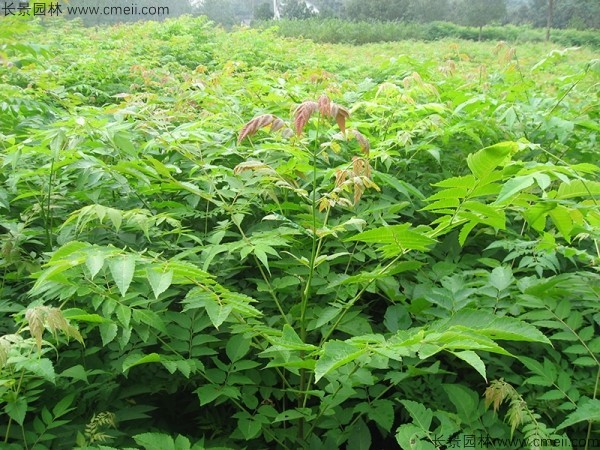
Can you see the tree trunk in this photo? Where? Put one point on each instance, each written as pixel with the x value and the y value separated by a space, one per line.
pixel 549 17
pixel 276 14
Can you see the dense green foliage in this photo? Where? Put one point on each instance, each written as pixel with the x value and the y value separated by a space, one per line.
pixel 234 240
pixel 357 32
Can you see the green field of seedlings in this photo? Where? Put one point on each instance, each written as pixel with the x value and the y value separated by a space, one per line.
pixel 236 240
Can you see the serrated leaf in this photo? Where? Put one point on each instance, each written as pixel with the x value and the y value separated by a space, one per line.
pixel 397 318
pixel 17 409
pixel 513 187
pixel 77 372
pixel 41 367
pixel 370 276
pixel 159 280
pixel 217 312
pixel 473 360
pixel 80 315
pixel 115 217
pixel 122 269
pixel 208 393
pixel 421 415
pixel 561 217
pixel 483 162
pixel 150 318
pixel 237 347
pixel 94 262
pixel 465 231
pixel 183 443
pixel 249 428
pixel 382 412
pixel 578 188
pixel 501 278
pixel 488 324
pixel 551 395
pixel 137 359
pixel 396 239
pixel 409 437
pixel 464 400
pixel 360 437
pixel 587 411
pixel 335 354
pixel 293 414
pixel 155 441
pixel 108 331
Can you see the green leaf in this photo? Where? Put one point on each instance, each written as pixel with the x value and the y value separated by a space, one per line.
pixel 237 347
pixel 578 188
pixel 108 331
pixel 94 262
pixel 370 276
pixel 217 311
pixel 76 372
pixel 501 278
pixel 290 340
pixel 397 318
pixel 261 250
pixel 409 437
pixel 396 239
pixel 561 217
pixel 80 315
pixel 116 217
pixel 137 359
pixel 68 250
pixel 587 411
pixel 249 428
pixel 483 162
pixel 208 393
pixel 421 415
pixel 335 354
pixel 63 406
pixel 382 412
pixel 473 360
pixel 150 318
pixel 217 308
pixel 360 437
pixel 122 269
pixel 464 400
pixel 17 409
pixel 159 280
pixel 183 443
pixel 514 186
pixel 155 441
pixel 465 231
pixel 293 414
pixel 489 324
pixel 42 367
pixel 491 215
pixel 551 395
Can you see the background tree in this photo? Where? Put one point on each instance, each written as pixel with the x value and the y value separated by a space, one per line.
pixel 221 11
pixel 549 17
pixel 384 10
pixel 579 14
pixel 429 10
pixel 264 11
pixel 329 8
pixel 478 13
pixel 297 9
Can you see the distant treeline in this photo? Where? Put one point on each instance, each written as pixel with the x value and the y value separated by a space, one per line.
pixel 362 32
pixel 561 14
pixel 577 14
